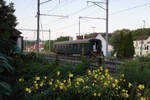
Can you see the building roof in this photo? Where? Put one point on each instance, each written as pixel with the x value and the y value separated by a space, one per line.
pixel 142 38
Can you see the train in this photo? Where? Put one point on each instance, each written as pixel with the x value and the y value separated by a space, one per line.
pixel 84 47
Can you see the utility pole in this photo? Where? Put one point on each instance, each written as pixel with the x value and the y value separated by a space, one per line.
pixel 107 18
pixel 107 27
pixel 79 25
pixel 38 27
pixel 38 21
pixel 141 53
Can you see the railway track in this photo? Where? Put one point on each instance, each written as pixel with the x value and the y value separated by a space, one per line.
pixel 110 64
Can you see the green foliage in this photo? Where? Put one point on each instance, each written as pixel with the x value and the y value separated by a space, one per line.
pixel 7 27
pixel 137 71
pixel 5 69
pixel 123 45
pixel 46 45
pixel 63 38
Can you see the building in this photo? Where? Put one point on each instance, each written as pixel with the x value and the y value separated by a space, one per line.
pixel 142 46
pixel 100 37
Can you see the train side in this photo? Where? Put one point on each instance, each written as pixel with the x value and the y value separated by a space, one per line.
pixel 78 47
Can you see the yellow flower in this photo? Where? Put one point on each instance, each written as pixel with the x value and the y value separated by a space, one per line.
pixel 56 85
pixel 89 72
pixel 41 84
pixel 113 85
pixel 116 81
pixel 105 84
pixel 122 75
pixel 21 79
pixel 50 83
pixel 35 82
pixel 99 94
pixel 37 78
pixel 106 70
pixel 36 86
pixel 61 87
pixel 70 75
pixel 80 80
pixel 28 90
pixel 142 98
pixel 64 81
pixel 45 77
pixel 101 68
pixel 58 73
pixel 96 75
pixel 141 87
pixel 95 94
pixel 139 94
pixel 129 85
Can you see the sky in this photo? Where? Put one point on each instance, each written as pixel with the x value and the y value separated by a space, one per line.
pixel 127 14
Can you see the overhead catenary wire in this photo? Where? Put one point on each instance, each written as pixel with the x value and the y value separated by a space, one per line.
pixel 131 8
pixel 113 13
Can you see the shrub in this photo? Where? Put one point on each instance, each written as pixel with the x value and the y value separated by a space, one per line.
pixel 136 71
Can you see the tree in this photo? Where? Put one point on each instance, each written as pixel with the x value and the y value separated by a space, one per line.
pixel 7 19
pixel 122 42
pixel 125 47
pixel 46 45
pixel 63 38
pixel 8 23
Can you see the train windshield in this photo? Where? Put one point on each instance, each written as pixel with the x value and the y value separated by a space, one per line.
pixel 96 45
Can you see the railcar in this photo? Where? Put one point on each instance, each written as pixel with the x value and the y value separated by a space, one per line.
pixel 84 47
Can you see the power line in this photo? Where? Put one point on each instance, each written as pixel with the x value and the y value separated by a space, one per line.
pixel 80 10
pixel 127 9
pixel 45 2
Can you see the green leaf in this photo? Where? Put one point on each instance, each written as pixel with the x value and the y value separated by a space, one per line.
pixel 5 88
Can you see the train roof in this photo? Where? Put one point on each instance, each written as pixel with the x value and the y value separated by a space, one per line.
pixel 75 41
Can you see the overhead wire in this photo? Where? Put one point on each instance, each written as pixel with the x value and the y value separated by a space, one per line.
pixel 131 8
pixel 120 11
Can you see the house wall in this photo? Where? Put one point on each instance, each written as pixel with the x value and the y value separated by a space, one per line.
pixel 103 43
pixel 145 48
pixel 20 43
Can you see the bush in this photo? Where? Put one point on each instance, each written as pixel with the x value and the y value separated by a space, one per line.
pixel 137 71
pixel 93 85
